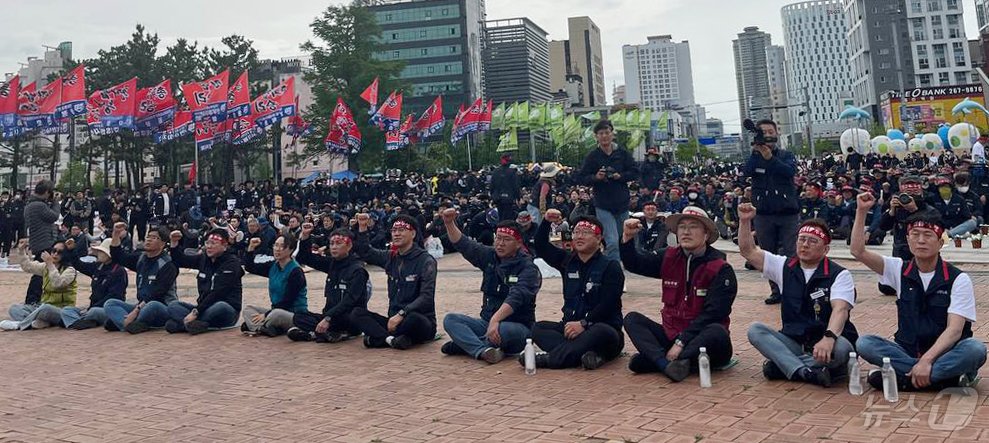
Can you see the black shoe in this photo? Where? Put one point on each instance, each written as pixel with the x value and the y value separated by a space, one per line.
pixel 451 348
pixel 372 343
pixel 886 290
pixel 542 360
pixel 322 338
pixel 137 327
pixel 678 370
pixel 774 299
pixel 84 323
pixel 875 379
pixel 639 364
pixel 772 372
pixel 816 376
pixel 267 331
pixel 591 360
pixel 335 337
pixel 196 327
pixel 749 266
pixel 296 334
pixel 110 326
pixel 401 342
pixel 493 355
pixel 245 329
pixel 174 327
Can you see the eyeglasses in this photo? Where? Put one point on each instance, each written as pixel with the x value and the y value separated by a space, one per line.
pixel 57 251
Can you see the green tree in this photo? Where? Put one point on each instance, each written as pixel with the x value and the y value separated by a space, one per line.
pixel 345 41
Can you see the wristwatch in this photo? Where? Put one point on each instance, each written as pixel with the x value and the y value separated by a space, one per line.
pixel 830 334
pixel 401 312
pixel 678 342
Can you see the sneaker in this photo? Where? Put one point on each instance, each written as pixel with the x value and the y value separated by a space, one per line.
pixel 267 331
pixel 492 355
pixel 772 372
pixel 247 331
pixel 296 334
pixel 969 380
pixel 9 325
pixel 591 360
pixel 639 364
pixel 333 337
pixel 401 342
pixel 40 324
pixel 374 342
pixel 774 299
pixel 83 323
pixel 816 376
pixel 137 327
pixel 875 379
pixel 542 360
pixel 451 348
pixel 173 327
pixel 110 326
pixel 196 327
pixel 678 370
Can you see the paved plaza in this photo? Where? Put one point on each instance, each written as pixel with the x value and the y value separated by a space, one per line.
pixel 83 386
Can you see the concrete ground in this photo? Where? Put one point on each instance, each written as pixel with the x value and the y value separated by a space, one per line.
pixel 82 386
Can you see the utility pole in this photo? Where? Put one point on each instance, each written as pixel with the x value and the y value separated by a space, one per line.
pixel 810 130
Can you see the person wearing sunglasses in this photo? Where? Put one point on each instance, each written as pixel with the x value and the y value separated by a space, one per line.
pixel 58 289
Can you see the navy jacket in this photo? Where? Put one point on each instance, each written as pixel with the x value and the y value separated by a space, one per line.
pixel 773 190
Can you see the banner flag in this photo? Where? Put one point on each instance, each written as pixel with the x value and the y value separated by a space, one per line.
pixel 73 94
pixel 155 108
pixel 36 108
pixel 431 121
pixel 208 99
pixel 112 109
pixel 274 105
pixel 370 95
pixel 180 126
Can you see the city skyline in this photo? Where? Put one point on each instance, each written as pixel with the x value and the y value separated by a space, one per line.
pixel 706 24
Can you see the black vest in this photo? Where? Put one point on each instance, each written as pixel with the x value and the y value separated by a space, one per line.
pixel 806 305
pixel 923 315
pixel 497 282
pixel 339 278
pixel 582 290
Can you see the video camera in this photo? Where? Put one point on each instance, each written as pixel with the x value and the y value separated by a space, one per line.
pixel 758 136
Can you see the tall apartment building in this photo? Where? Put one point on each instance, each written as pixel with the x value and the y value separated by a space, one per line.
pixel 752 73
pixel 579 61
pixel 940 49
pixel 658 74
pixel 516 61
pixel 880 54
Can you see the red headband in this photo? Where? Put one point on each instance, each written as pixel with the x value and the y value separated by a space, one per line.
pixel 906 187
pixel 816 232
pixel 216 237
pixel 938 230
pixel 341 238
pixel 400 224
pixel 510 232
pixel 584 224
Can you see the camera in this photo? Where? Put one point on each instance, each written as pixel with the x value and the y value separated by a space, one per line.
pixel 905 199
pixel 758 136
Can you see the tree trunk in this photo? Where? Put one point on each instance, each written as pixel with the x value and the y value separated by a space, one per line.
pixel 16 163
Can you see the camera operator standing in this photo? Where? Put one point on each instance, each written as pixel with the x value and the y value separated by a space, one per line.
pixel 608 169
pixel 909 202
pixel 774 194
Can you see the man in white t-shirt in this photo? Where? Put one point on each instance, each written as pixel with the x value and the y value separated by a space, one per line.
pixel 933 347
pixel 817 296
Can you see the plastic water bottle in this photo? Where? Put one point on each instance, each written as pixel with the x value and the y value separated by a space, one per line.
pixel 530 357
pixel 890 389
pixel 704 368
pixel 854 374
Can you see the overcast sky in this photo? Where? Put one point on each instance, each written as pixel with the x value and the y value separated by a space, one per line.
pixel 278 28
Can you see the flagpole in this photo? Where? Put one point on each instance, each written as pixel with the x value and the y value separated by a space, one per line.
pixel 532 145
pixel 195 165
pixel 470 164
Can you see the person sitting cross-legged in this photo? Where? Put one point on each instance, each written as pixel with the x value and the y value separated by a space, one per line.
pixel 509 285
pixel 109 282
pixel 58 289
pixel 156 276
pixel 219 283
pixel 286 288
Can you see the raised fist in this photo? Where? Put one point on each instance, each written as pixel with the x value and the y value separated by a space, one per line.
pixel 865 201
pixel 70 244
pixel 631 227
pixel 449 215
pixel 176 237
pixel 255 242
pixel 746 211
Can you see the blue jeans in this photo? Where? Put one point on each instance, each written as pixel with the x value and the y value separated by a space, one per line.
pixel 789 355
pixel 469 333
pixel 612 224
pixel 219 316
pixel 966 357
pixel 537 217
pixel 28 314
pixel 964 228
pixel 154 313
pixel 73 314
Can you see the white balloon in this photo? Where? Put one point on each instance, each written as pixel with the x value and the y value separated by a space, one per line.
pixel 932 142
pixel 881 144
pixel 962 136
pixel 898 145
pixel 916 144
pixel 855 138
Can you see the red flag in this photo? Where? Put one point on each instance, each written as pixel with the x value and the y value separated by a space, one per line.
pixel 36 108
pixel 343 136
pixel 370 95
pixel 297 126
pixel 181 126
pixel 73 94
pixel 156 107
pixel 389 116
pixel 401 138
pixel 112 109
pixel 472 119
pixel 192 172
pixel 208 133
pixel 8 101
pixel 456 133
pixel 245 130
pixel 208 99
pixel 239 98
pixel 277 103
pixel 484 123
pixel 431 120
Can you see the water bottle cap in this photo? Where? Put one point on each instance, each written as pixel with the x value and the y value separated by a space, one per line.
pixel 852 355
pixel 703 349
pixel 528 341
pixel 885 359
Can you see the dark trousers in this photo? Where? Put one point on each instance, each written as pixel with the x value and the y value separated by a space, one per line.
pixel 34 288
pixel 307 321
pixel 601 338
pixel 650 340
pixel 507 210
pixel 5 239
pixel 142 227
pixel 777 234
pixel 415 326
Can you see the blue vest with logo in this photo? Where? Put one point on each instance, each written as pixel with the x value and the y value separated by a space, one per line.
pixel 582 290
pixel 923 315
pixel 806 305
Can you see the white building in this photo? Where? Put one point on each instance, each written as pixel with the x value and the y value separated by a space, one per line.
pixel 658 74
pixel 618 95
pixel 940 48
pixel 778 97
pixel 817 68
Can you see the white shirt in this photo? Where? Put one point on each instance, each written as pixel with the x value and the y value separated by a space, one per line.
pixel 843 287
pixel 962 291
pixel 978 152
pixel 167 205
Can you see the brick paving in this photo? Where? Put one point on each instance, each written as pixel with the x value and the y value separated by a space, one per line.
pixel 83 386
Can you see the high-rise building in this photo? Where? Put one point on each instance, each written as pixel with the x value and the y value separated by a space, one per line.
pixel 778 97
pixel 618 96
pixel 752 73
pixel 658 74
pixel 879 51
pixel 579 61
pixel 817 72
pixel 940 48
pixel 440 42
pixel 516 61
pixel 982 15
